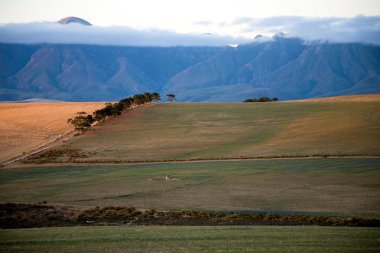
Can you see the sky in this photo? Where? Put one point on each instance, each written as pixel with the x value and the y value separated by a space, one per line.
pixel 193 22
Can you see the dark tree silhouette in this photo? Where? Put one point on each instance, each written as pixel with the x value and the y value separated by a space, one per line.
pixel 82 121
pixel 261 99
pixel 156 97
pixel 171 97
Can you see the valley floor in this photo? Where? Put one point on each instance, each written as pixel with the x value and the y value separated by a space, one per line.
pixel 341 186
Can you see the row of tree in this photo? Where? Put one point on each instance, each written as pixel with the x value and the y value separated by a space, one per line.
pixel 82 121
pixel 261 99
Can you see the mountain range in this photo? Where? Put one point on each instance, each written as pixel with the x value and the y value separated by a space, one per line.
pixel 287 68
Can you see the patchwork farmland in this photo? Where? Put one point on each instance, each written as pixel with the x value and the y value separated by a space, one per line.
pixel 312 158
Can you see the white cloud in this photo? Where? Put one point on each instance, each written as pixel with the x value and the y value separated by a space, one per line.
pixel 357 29
pixel 46 32
pixel 334 29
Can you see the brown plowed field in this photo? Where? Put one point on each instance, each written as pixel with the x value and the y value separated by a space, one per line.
pixel 26 126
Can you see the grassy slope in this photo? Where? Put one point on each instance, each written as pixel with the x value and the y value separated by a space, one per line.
pixel 191 239
pixel 193 131
pixel 342 186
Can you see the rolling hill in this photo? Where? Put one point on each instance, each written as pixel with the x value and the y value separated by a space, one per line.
pixel 287 68
pixel 194 131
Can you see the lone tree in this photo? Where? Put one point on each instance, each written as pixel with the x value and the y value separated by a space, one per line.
pixel 171 97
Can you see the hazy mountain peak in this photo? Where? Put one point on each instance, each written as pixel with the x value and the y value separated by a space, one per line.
pixel 279 35
pixel 76 20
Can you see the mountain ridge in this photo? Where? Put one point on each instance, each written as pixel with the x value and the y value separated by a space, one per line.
pixel 287 68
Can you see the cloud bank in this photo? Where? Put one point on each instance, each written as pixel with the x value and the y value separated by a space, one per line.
pixel 115 35
pixel 364 29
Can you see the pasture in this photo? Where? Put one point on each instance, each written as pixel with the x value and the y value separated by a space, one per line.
pixel 191 239
pixel 27 126
pixel 331 186
pixel 180 131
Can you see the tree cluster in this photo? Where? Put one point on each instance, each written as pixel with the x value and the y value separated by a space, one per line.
pixel 171 97
pixel 82 121
pixel 261 99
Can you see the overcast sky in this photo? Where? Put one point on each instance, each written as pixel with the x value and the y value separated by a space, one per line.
pixel 161 21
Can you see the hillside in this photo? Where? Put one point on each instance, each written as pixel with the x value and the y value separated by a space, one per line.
pixel 191 131
pixel 26 126
pixel 287 68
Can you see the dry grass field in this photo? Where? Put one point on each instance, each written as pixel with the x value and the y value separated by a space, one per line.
pixel 190 131
pixel 26 126
pixel 367 97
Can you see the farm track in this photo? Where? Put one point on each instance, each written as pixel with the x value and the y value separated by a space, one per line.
pixel 37 150
pixel 14 163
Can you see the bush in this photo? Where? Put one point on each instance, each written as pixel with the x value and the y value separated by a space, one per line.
pixel 261 99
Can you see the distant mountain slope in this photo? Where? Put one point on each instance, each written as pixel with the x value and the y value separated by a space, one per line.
pixel 84 72
pixel 287 68
pixel 284 67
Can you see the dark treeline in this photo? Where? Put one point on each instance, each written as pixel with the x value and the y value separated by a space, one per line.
pixel 83 121
pixel 261 99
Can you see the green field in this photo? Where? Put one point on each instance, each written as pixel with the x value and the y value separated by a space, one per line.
pixel 191 239
pixel 181 131
pixel 344 186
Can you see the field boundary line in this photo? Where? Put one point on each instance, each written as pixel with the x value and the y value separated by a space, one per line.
pixel 103 163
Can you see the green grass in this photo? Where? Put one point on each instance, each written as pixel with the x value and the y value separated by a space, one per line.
pixel 180 131
pixel 191 239
pixel 343 186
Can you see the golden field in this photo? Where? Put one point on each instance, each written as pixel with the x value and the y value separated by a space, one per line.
pixel 27 126
pixel 366 97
